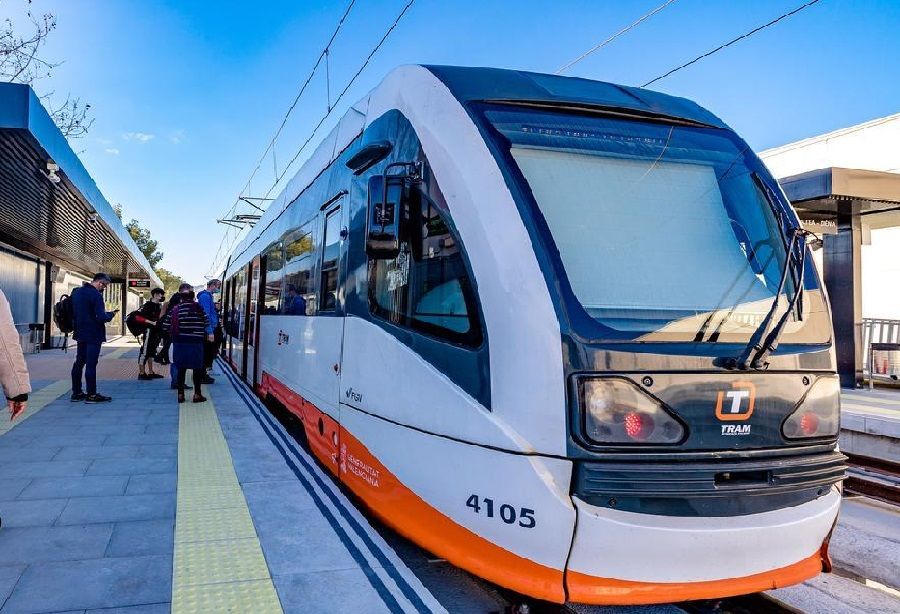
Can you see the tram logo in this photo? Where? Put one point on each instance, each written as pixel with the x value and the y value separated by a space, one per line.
pixel 739 404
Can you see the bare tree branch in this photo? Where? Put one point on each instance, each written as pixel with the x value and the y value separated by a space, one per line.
pixel 20 62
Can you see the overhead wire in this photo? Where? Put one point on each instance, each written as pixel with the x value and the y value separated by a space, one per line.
pixel 731 42
pixel 322 55
pixel 610 39
pixel 330 108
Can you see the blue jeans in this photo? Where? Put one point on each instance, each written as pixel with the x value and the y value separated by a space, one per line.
pixel 86 360
pixel 173 371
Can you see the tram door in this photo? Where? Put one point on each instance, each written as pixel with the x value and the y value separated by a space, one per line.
pixel 260 302
pixel 324 339
pixel 251 351
pixel 239 320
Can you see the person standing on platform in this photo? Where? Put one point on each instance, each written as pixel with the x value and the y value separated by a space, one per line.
pixel 188 325
pixel 162 357
pixel 151 311
pixel 167 310
pixel 13 370
pixel 207 301
pixel 90 333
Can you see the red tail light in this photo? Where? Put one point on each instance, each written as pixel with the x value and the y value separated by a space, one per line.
pixel 809 423
pixel 638 426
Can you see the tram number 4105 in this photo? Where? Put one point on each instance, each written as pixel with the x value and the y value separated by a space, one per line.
pixel 507 513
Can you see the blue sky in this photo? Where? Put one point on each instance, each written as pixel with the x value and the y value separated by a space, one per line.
pixel 187 95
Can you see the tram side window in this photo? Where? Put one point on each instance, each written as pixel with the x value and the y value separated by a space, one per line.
pixel 240 303
pixel 331 252
pixel 427 287
pixel 298 296
pixel 274 273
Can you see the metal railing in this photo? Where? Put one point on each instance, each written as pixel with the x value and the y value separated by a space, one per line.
pixel 877 330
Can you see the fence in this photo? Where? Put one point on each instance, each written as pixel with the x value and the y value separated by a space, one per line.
pixel 877 330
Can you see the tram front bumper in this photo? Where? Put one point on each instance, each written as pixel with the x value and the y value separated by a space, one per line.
pixel 621 558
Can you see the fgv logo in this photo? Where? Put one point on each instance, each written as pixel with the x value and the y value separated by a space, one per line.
pixel 737 403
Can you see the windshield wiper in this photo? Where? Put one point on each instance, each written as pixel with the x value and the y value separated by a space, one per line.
pixel 757 350
pixel 771 343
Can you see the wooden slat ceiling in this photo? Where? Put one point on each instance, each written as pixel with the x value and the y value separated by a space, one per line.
pixel 52 221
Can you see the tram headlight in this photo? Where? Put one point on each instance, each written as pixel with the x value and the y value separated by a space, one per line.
pixel 818 414
pixel 616 411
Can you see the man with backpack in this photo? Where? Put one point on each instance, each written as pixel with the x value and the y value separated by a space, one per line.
pixel 144 323
pixel 90 318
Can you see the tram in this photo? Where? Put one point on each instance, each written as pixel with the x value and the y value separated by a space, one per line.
pixel 562 333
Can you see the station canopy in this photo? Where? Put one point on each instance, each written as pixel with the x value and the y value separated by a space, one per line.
pixel 49 204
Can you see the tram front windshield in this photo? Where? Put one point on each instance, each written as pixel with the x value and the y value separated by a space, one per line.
pixel 664 232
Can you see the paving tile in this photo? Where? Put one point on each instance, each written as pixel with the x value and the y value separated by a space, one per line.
pixel 11 487
pixel 233 560
pixel 95 452
pixel 43 469
pixel 49 441
pixel 282 501
pixel 153 608
pixel 142 538
pixel 162 428
pixel 113 428
pixel 28 545
pixel 142 438
pixel 118 509
pixel 37 513
pixel 334 591
pixel 266 470
pixel 83 486
pixel 9 575
pixel 17 454
pixel 161 450
pixel 307 543
pixel 150 484
pixel 96 583
pixel 131 466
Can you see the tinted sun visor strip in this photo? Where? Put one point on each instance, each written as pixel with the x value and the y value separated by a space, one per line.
pixel 602 111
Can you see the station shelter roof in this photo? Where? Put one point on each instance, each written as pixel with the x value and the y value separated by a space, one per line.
pixel 59 215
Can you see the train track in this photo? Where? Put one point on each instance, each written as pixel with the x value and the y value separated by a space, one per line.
pixel 874 478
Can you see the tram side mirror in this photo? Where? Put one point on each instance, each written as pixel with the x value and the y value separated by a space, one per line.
pixel 368 156
pixel 386 202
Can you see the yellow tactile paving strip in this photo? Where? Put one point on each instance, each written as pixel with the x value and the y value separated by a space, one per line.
pixel 219 564
pixel 37 401
pixel 119 352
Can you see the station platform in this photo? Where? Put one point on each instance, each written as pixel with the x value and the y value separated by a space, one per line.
pixel 870 423
pixel 148 506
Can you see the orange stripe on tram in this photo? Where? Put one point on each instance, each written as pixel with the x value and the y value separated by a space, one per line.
pixel 583 588
pixel 406 512
pixel 322 431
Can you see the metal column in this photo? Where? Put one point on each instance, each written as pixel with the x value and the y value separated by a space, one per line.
pixel 843 278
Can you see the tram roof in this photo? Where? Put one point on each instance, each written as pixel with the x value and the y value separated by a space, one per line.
pixel 473 84
pixel 470 84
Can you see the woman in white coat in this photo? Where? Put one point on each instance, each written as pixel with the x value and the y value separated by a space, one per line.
pixel 13 371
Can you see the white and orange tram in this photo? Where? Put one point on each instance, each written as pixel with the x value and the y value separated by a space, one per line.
pixel 562 333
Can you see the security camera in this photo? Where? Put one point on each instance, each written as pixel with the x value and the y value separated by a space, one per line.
pixel 92 218
pixel 51 172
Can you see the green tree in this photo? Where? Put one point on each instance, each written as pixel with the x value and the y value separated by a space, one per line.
pixel 170 280
pixel 145 242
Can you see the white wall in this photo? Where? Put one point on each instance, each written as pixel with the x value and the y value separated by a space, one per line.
pixel 881 275
pixel 873 146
